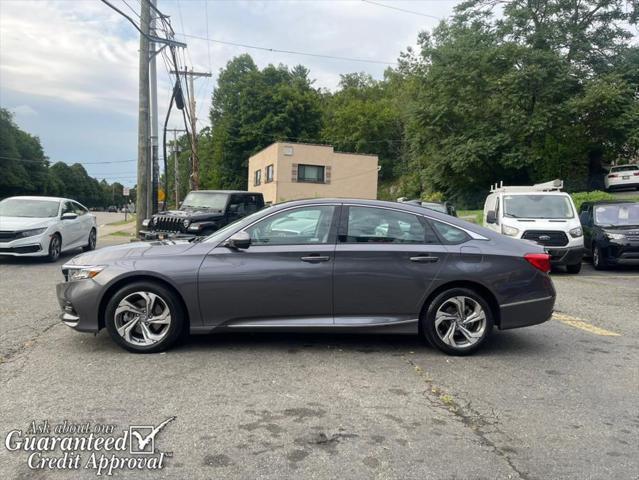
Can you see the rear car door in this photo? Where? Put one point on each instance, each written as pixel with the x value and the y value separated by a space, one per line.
pixel 285 277
pixel 385 263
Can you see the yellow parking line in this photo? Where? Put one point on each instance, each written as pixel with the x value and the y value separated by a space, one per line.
pixel 577 323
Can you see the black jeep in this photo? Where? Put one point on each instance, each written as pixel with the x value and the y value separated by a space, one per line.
pixel 201 213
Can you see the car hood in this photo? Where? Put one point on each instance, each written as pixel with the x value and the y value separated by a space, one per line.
pixel 107 255
pixel 192 213
pixel 24 223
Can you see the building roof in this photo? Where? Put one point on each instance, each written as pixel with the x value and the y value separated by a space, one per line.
pixel 325 145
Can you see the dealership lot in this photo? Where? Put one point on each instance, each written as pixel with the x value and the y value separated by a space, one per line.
pixel 557 400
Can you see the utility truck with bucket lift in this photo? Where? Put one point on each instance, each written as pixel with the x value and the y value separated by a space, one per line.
pixel 540 213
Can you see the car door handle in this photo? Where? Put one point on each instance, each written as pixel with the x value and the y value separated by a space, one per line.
pixel 424 259
pixel 315 258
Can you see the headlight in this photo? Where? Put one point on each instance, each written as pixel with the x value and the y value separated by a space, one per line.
pixel 186 222
pixel 510 231
pixel 75 272
pixel 145 222
pixel 31 233
pixel 195 227
pixel 615 236
pixel 576 232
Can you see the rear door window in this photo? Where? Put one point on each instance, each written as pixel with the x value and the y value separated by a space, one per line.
pixel 378 225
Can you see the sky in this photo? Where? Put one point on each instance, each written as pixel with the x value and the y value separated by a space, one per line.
pixel 69 68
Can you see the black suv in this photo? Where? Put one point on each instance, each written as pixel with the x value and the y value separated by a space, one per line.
pixel 201 213
pixel 611 232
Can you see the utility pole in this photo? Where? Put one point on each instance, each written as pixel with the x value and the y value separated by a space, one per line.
pixel 152 202
pixel 195 161
pixel 176 172
pixel 142 192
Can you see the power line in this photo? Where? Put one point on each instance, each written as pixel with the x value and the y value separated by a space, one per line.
pixel 399 9
pixel 290 52
pixel 64 161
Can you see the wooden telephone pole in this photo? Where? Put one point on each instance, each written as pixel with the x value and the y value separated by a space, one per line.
pixel 195 161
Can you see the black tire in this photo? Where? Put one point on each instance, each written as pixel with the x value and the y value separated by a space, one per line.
pixel 598 258
pixel 93 240
pixel 55 247
pixel 575 268
pixel 177 325
pixel 428 321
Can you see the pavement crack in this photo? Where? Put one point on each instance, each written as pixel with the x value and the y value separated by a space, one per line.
pixel 479 424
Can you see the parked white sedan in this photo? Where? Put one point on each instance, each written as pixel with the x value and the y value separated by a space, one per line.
pixel 45 226
pixel 622 176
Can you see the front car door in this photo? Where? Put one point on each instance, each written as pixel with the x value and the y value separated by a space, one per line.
pixel 385 263
pixel 71 229
pixel 285 278
pixel 85 221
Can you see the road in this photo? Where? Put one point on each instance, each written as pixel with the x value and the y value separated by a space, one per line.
pixel 558 400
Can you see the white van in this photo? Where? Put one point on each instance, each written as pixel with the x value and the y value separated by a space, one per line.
pixel 542 214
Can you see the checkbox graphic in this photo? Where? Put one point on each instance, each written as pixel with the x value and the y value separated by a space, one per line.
pixel 140 440
pixel 142 437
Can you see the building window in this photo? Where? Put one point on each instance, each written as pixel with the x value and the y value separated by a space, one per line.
pixel 269 174
pixel 258 177
pixel 310 173
pixel 288 151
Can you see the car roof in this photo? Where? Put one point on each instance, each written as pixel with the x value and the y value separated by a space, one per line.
pixel 607 202
pixel 235 192
pixel 35 197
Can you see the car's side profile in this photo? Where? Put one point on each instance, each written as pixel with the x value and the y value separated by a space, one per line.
pixel 315 265
pixel 45 227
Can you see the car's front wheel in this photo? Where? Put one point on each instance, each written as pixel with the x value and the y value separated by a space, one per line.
pixel 574 268
pixel 598 258
pixel 457 321
pixel 93 237
pixel 55 247
pixel 144 317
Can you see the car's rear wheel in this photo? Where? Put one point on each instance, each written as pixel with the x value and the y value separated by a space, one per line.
pixel 93 237
pixel 144 317
pixel 55 247
pixel 458 321
pixel 575 268
pixel 598 258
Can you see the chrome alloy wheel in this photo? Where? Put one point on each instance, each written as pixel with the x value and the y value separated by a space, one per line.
pixel 460 322
pixel 142 318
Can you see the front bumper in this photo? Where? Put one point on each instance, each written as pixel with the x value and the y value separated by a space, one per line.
pixel 35 246
pixel 626 253
pixel 147 235
pixel 80 302
pixel 565 256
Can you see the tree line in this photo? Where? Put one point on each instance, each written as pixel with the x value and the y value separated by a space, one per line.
pixel 546 89
pixel 25 170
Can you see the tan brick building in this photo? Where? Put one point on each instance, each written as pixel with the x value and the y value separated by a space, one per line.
pixel 291 171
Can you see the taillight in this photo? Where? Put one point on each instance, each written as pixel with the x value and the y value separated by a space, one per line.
pixel 612 175
pixel 541 261
pixel 636 174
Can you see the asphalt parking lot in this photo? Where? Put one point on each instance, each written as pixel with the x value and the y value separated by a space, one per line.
pixel 559 400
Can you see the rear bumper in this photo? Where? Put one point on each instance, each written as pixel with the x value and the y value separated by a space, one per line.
pixel 620 186
pixel 526 313
pixel 565 256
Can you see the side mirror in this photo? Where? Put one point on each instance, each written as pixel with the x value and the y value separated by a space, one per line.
pixel 69 216
pixel 491 216
pixel 239 240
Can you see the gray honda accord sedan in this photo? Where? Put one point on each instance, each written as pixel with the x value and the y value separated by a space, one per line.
pixel 315 265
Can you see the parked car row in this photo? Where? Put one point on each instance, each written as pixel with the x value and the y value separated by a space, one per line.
pixel 607 231
pixel 45 227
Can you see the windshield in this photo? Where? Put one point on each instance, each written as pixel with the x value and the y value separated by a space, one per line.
pixel 621 214
pixel 21 207
pixel 538 206
pixel 222 233
pixel 210 200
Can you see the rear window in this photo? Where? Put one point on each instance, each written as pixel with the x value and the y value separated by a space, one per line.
pixel 625 168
